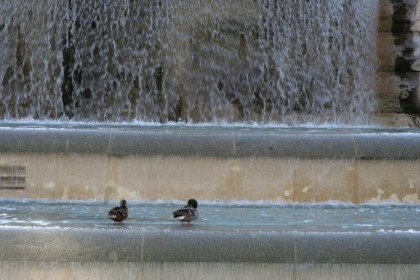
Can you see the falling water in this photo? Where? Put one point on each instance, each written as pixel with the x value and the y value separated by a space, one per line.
pixel 191 61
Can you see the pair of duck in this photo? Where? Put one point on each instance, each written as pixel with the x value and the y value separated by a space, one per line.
pixel 186 214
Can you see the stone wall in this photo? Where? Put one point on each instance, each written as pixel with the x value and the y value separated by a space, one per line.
pixel 398 57
pixel 210 164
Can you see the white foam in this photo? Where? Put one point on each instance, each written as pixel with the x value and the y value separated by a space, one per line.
pixel 30 123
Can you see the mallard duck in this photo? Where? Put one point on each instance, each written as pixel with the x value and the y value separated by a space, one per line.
pixel 188 213
pixel 119 214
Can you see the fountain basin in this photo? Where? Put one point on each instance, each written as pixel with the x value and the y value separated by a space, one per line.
pixel 245 163
pixel 297 242
pixel 270 164
pixel 78 231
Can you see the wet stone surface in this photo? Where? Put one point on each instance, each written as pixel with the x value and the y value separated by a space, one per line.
pixel 236 232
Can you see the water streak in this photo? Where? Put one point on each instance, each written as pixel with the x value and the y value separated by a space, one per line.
pixel 194 61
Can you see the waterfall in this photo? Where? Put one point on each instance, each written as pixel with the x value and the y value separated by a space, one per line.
pixel 194 61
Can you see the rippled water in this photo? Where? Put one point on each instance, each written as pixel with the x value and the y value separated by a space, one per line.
pixel 233 215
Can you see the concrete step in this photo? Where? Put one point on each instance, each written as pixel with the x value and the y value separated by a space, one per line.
pixel 167 162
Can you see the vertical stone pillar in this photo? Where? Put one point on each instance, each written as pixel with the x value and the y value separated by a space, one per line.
pixel 398 56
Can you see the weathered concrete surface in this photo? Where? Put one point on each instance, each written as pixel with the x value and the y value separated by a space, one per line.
pixel 205 270
pixel 169 163
pixel 194 245
pixel 398 57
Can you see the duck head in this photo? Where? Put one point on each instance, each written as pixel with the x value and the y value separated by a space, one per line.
pixel 193 203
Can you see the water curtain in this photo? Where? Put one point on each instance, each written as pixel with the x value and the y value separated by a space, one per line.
pixel 191 61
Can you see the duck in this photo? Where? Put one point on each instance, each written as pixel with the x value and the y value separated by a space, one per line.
pixel 119 213
pixel 188 213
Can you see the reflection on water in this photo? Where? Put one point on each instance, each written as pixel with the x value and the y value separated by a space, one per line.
pixel 234 215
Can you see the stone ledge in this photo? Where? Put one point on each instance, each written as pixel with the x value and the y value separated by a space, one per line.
pixel 194 245
pixel 214 142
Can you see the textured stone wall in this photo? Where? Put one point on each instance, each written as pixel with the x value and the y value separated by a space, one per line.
pixel 398 57
pixel 212 164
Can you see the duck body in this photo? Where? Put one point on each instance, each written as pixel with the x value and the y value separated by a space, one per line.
pixel 188 213
pixel 119 214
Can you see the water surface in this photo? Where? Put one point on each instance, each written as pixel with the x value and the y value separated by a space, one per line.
pixel 222 215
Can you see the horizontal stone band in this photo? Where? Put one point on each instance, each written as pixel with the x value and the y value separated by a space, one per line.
pixel 212 142
pixel 185 245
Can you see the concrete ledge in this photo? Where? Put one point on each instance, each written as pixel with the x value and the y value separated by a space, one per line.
pixel 193 245
pixel 213 142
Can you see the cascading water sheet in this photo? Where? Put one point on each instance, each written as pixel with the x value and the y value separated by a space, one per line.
pixel 193 61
